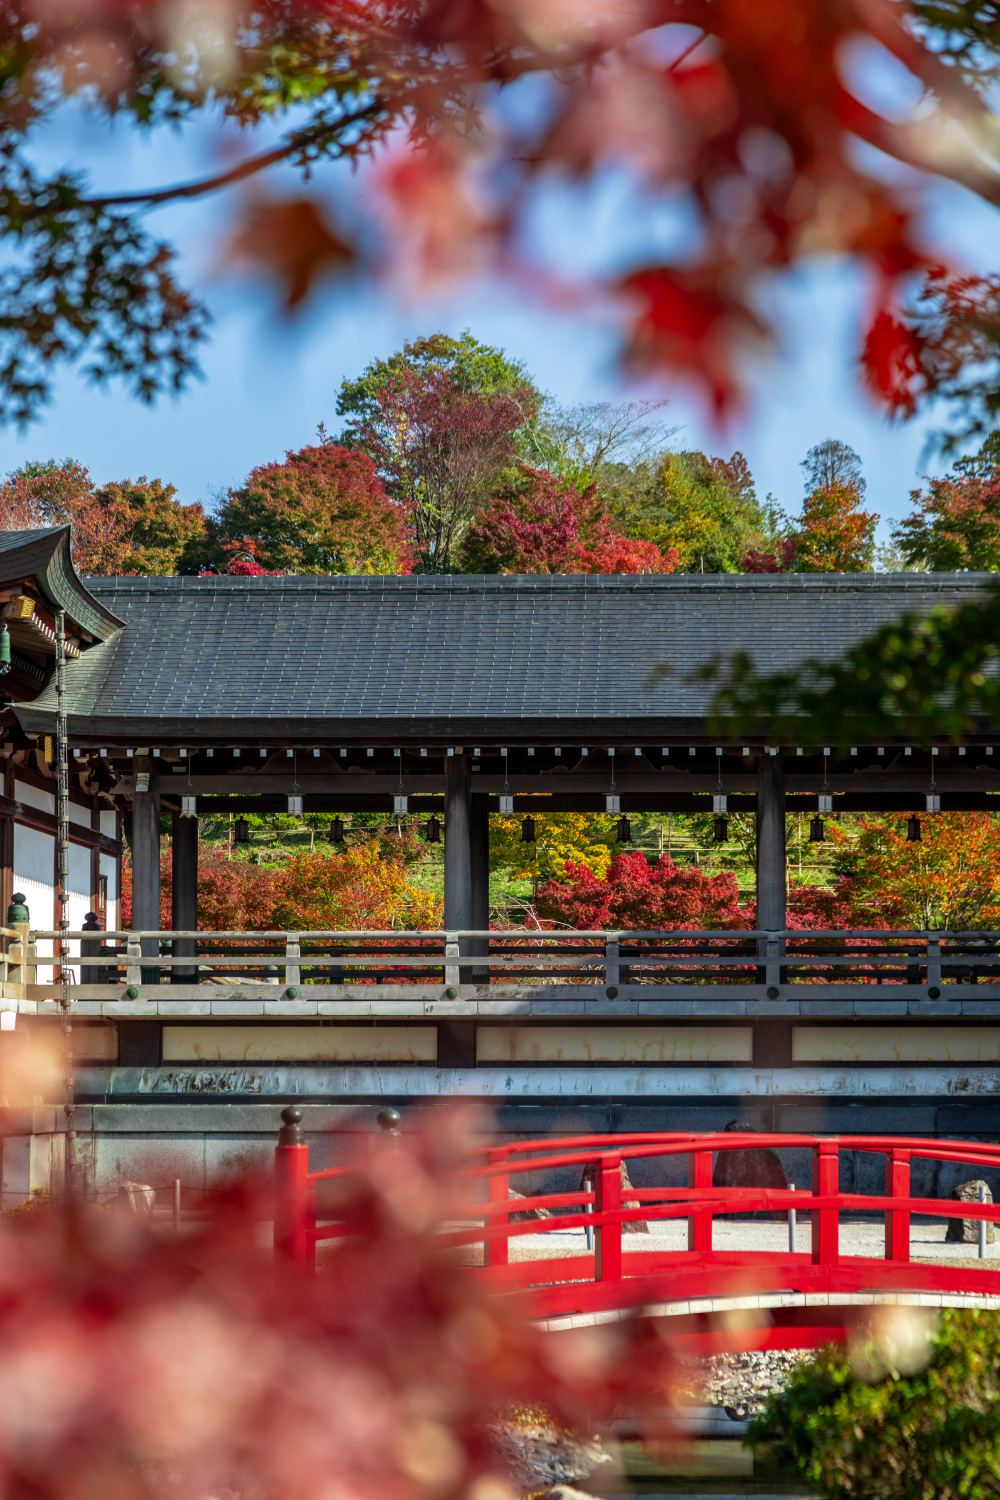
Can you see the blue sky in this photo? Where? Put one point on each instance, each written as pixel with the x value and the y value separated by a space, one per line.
pixel 266 385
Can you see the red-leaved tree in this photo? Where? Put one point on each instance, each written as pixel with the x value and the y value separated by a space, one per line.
pixel 441 448
pixel 638 895
pixel 324 510
pixel 544 524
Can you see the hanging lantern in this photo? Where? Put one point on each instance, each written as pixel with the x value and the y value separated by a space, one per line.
pixel 432 830
pixel 816 834
pixel 189 806
pixel 337 831
pixel 721 829
pixel 824 804
pixel 528 831
pixel 506 804
pixel 624 831
pixel 241 831
pixel 913 833
pixel 400 803
pixel 612 803
pixel 720 804
pixel 4 651
pixel 933 802
pixel 295 804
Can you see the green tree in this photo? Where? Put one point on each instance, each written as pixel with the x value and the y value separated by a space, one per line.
pixel 475 369
pixel 705 507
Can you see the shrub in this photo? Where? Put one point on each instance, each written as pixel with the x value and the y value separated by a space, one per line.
pixel 908 1410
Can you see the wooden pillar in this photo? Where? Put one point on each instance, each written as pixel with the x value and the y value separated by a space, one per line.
pixel 184 895
pixel 770 843
pixel 146 859
pixel 457 842
pixel 479 856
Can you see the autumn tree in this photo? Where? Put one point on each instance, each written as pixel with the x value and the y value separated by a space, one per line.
pixel 955 523
pixel 642 897
pixel 707 508
pixel 834 535
pixel 441 448
pixel 949 879
pixel 541 524
pixel 163 530
pixel 323 510
pixel 40 495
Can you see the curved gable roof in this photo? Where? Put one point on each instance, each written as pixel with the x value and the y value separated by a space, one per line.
pixel 45 555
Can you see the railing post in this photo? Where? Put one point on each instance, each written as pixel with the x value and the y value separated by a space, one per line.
pixel 452 976
pixel 933 960
pixel 291 1190
pixel 133 960
pixel 608 1189
pixel 772 966
pixel 496 1252
pixel 293 953
pixel 897 1220
pixel 700 1222
pixel 826 1221
pixel 611 965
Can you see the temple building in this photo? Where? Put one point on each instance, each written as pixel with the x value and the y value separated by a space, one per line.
pixel 455 697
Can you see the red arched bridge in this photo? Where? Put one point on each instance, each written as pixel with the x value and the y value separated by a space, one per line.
pixel 727 1282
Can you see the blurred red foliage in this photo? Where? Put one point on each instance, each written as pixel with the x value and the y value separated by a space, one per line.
pixel 641 896
pixel 149 1367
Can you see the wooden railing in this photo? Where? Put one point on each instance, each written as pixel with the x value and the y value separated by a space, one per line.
pixel 667 965
pixel 612 1273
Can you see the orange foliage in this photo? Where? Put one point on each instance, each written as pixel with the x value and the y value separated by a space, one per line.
pixel 362 887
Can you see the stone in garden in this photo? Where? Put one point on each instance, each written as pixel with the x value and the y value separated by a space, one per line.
pixel 750 1169
pixel 523 1215
pixel 966 1231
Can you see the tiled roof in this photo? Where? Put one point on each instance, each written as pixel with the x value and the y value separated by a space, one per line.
pixel 209 656
pixel 45 556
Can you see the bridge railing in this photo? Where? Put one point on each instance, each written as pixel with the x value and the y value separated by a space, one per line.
pixel 617 1272
pixel 651 964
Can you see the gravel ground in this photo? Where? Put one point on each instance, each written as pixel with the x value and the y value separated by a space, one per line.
pixel 927 1241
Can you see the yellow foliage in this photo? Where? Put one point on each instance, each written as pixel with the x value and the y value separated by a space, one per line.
pixel 585 838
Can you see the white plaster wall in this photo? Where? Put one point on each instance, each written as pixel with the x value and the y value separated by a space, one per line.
pixel 34 866
pixel 109 867
pixel 34 796
pixel 109 822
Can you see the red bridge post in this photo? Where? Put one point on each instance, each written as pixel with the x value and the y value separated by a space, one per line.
pixel 700 1222
pixel 608 1189
pixel 291 1189
pixel 496 1252
pixel 826 1221
pixel 897 1220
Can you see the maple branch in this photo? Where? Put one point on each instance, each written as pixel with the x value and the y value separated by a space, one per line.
pixel 247 168
pixel 898 142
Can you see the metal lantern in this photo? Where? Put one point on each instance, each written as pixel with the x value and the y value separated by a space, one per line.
pixel 506 804
pixel 720 804
pixel 400 804
pixel 189 806
pixel 913 829
pixel 933 802
pixel 824 803
pixel 721 829
pixel 295 804
pixel 816 834
pixel 337 831
pixel 241 831
pixel 528 831
pixel 612 803
pixel 432 830
pixel 624 831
